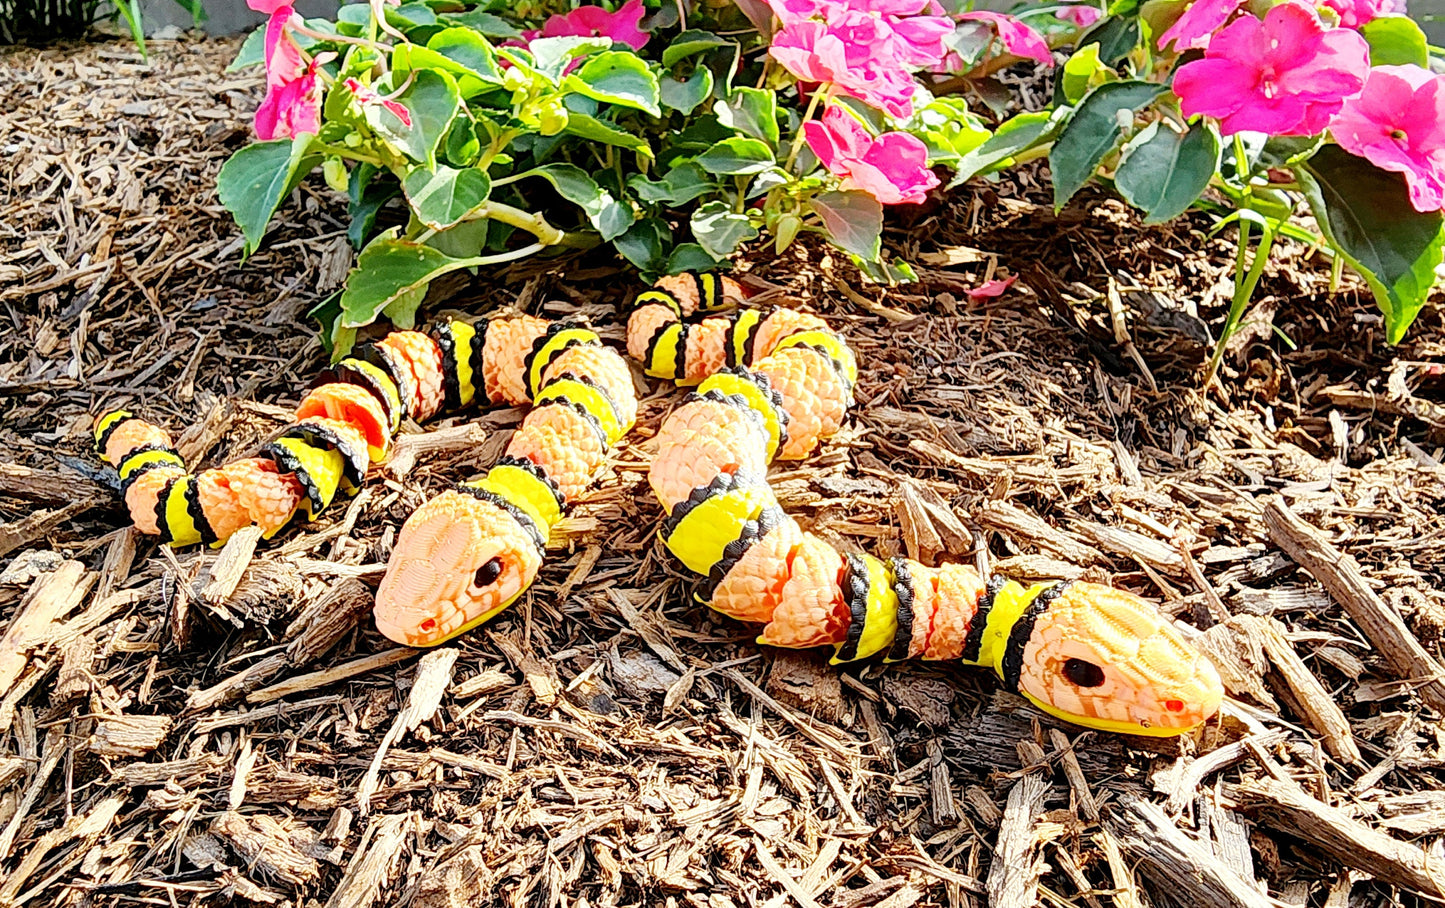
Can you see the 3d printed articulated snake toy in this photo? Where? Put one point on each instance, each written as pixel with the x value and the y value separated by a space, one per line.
pixel 767 385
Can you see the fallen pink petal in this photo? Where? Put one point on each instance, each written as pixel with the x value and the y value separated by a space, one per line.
pixel 993 288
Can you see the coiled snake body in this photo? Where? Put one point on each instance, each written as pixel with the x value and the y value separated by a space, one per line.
pixel 767 386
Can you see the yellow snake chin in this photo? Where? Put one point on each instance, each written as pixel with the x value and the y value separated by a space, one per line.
pixel 457 562
pixel 1105 659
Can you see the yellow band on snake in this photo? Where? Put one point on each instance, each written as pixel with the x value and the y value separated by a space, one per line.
pixel 829 343
pixel 141 460
pixel 552 347
pixel 462 335
pixel 666 354
pixel 1008 606
pixel 319 469
pixel 180 513
pixel 879 611
pixel 525 490
pixel 706 529
pixel 589 398
pixel 762 404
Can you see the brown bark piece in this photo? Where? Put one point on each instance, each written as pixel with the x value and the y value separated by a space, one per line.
pixel 1013 875
pixel 129 736
pixel 268 846
pixel 1340 574
pixel 1176 863
pixel 51 597
pixel 1285 807
pixel 807 683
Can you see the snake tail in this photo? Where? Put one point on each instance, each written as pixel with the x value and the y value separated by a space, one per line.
pixel 775 385
pixel 470 552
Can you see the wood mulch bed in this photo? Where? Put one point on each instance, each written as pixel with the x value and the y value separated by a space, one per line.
pixel 199 727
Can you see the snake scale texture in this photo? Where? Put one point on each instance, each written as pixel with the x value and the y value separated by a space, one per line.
pixel 766 386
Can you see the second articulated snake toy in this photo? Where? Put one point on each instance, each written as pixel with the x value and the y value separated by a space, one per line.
pixel 767 386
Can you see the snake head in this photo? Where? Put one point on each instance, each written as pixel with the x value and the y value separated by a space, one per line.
pixel 1106 659
pixel 458 561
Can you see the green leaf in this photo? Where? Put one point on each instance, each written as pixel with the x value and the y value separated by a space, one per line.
pixel 589 127
pixel 1013 136
pixel 336 340
pixel 609 216
pixel 486 23
pixel 642 244
pixel 254 181
pixel 1092 133
pixel 434 102
pixel 949 129
pixel 737 155
pixel 443 196
pixel 693 41
pixel 1396 41
pixel 617 77
pixel 460 52
pixel 551 56
pixel 1163 172
pixel 252 52
pixel 401 311
pixel 467 239
pixel 752 112
pixel 1116 37
pixel 1366 215
pixel 368 190
pixel 683 183
pixel 1078 71
pixel 686 96
pixel 720 230
pixel 690 257
pixel 387 270
pixel 854 221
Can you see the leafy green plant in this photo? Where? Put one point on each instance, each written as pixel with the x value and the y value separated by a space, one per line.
pixel 500 132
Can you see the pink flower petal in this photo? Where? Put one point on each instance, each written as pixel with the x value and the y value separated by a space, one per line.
pixel 1200 20
pixel 892 168
pixel 1286 75
pixel 1017 38
pixel 1397 123
pixel 990 289
pixel 267 6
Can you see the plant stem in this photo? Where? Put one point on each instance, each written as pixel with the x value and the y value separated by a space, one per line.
pixel 807 115
pixel 1337 270
pixel 1244 286
pixel 350 154
pixel 1241 165
pixel 534 224
pixel 340 39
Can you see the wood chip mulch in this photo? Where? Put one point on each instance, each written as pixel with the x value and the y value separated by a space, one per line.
pixel 210 727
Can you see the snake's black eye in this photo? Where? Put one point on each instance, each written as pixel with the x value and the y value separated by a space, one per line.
pixel 1084 674
pixel 488 573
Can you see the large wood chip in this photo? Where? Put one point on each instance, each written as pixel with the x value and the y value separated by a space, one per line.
pixel 1340 574
pixel 51 597
pixel 129 736
pixel 1339 836
pixel 1030 531
pixel 1013 874
pixel 269 846
pixel 377 863
pixel 1176 863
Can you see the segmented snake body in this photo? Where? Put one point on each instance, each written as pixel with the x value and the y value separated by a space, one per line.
pixel 766 386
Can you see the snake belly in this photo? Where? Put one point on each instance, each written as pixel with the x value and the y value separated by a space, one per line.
pixel 775 385
pixel 582 401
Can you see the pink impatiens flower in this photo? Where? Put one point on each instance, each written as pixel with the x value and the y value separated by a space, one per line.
pixel 892 168
pixel 1285 76
pixel 1081 15
pixel 594 21
pixel 1398 123
pixel 1018 39
pixel 292 105
pixel 1198 24
pixel 813 52
pixel 1354 13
